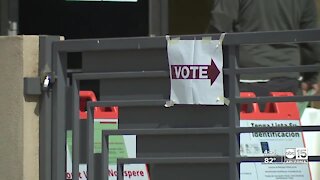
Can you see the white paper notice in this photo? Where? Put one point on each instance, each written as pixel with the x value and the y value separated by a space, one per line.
pixel 271 144
pixel 196 72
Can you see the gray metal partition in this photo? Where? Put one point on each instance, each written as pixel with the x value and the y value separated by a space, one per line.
pixel 133 73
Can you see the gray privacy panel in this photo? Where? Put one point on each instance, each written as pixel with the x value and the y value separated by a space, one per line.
pixel 178 116
pixel 139 88
pixel 189 172
pixel 183 146
pixel 125 60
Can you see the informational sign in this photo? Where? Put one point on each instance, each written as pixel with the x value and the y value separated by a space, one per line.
pixel 294 165
pixel 119 147
pixel 196 72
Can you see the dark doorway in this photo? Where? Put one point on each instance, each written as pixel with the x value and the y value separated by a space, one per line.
pixel 83 19
pixel 189 16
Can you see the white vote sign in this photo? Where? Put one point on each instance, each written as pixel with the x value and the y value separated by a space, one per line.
pixel 196 71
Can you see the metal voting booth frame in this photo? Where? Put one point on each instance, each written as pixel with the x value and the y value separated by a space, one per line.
pixel 146 73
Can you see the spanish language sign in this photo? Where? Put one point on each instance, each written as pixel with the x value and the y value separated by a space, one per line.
pixel 196 72
pixel 290 145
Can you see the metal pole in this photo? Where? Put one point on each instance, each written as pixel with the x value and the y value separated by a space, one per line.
pixel 45 108
pixel 75 129
pixel 158 17
pixel 90 141
pixel 4 19
pixel 105 157
pixel 59 116
pixel 232 58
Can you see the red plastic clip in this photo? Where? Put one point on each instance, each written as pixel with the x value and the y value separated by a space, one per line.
pixel 99 112
pixel 273 111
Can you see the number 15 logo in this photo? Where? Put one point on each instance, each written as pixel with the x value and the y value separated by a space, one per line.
pixel 301 153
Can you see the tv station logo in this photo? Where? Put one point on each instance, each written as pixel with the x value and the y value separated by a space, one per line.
pixel 296 155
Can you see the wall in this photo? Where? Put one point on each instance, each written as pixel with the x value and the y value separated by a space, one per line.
pixel 19 121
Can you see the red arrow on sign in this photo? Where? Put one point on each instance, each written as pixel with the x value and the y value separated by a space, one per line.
pixel 213 72
pixel 195 72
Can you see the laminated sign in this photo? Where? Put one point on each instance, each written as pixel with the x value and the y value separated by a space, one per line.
pixel 196 71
